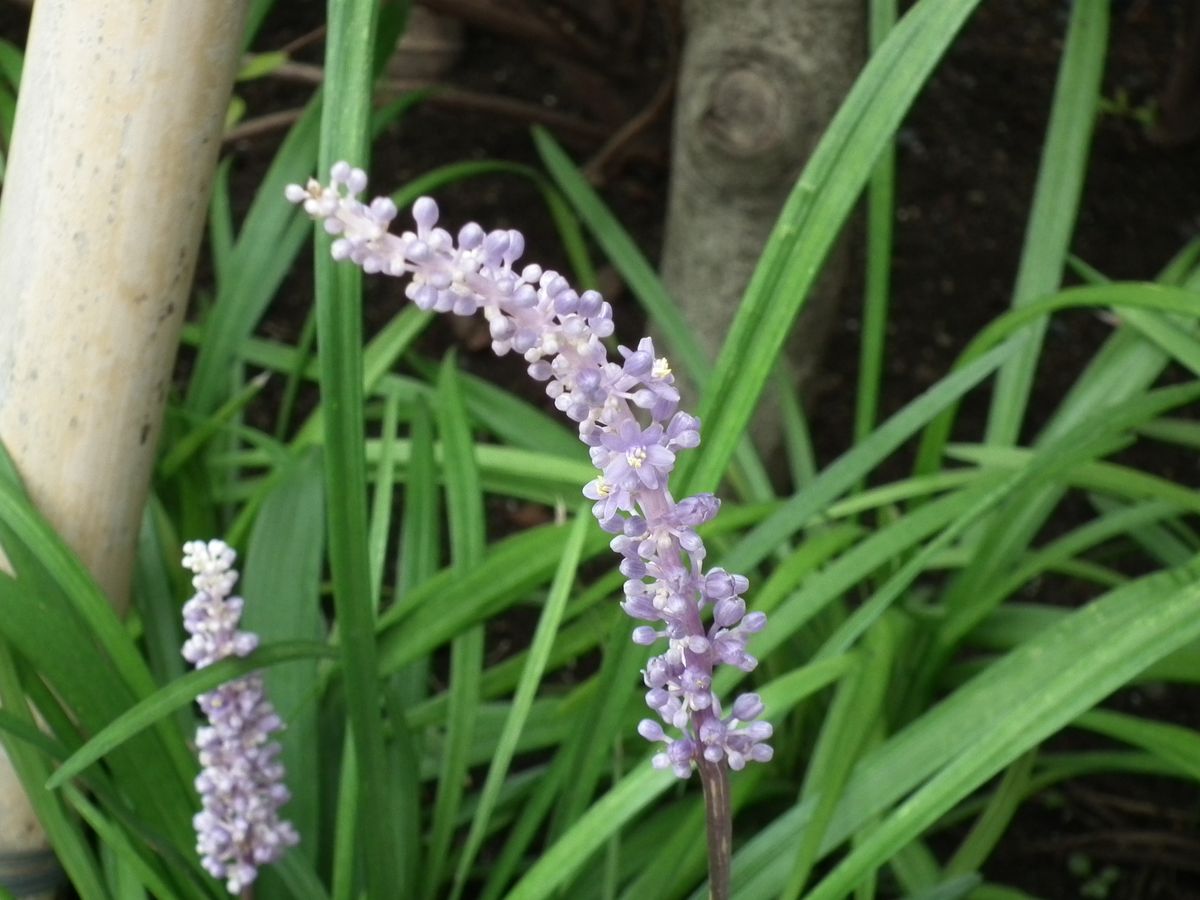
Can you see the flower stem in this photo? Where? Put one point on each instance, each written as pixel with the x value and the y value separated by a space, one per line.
pixel 718 816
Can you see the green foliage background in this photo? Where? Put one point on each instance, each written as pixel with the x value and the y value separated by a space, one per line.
pixel 909 690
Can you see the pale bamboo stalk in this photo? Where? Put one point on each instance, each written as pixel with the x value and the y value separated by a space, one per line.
pixel 117 131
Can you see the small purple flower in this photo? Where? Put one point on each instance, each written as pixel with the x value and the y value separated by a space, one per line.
pixel 241 783
pixel 634 458
pixel 647 381
pixel 610 498
pixel 627 415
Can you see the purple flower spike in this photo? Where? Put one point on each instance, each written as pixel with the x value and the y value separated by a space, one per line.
pixel 627 415
pixel 241 783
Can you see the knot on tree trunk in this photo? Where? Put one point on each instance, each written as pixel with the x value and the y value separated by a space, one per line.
pixel 745 129
pixel 743 113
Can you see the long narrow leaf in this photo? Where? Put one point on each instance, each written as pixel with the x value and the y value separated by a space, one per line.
pixel 1055 202
pixel 467 539
pixel 1102 647
pixel 177 694
pixel 343 136
pixel 539 650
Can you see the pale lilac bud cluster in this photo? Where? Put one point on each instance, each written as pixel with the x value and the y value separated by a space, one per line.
pixel 627 415
pixel 241 783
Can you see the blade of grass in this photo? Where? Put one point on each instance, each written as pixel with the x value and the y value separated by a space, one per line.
pixel 269 241
pixel 1048 462
pixel 850 468
pixel 1055 204
pixel 295 375
pixel 539 650
pixel 852 567
pixel 953 889
pixel 281 581
pixel 1035 689
pixel 915 867
pixel 346 824
pixel 589 760
pixel 563 793
pixel 118 843
pixel 380 355
pixel 175 862
pixel 881 191
pixel 153 598
pixel 963 604
pixel 220 222
pixel 466 663
pixel 1102 477
pixel 343 136
pixel 1060 551
pixel 1076 668
pixel 1166 333
pixel 464 496
pixel 1128 299
pixel 857 702
pixel 991 824
pixel 64 834
pixel 802 459
pixel 30 532
pixel 419 544
pixel 524 830
pixel 186 447
pixel 467 541
pixel 407 793
pixel 1176 745
pixel 513 420
pixel 178 694
pixel 1125 364
pixel 12 61
pixel 58 618
pixel 443 606
pixel 385 489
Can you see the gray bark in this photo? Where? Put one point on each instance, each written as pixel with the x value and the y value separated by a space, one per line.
pixel 758 83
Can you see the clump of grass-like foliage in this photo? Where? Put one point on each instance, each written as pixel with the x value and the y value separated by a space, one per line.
pixel 366 567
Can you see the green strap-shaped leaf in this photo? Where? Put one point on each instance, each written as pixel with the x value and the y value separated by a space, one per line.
pixel 179 693
pixel 539 652
pixel 986 724
pixel 344 132
pixel 464 502
pixel 1055 204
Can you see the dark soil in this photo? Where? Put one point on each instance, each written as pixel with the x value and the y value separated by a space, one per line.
pixel 968 158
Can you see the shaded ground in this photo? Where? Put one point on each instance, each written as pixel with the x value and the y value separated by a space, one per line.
pixel 968 158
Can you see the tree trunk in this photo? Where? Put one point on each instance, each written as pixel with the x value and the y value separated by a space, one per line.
pixel 117 131
pixel 758 83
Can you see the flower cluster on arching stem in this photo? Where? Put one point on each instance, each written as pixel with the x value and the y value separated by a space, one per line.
pixel 627 414
pixel 240 783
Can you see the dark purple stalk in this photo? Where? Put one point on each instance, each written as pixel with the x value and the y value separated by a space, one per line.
pixel 718 816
